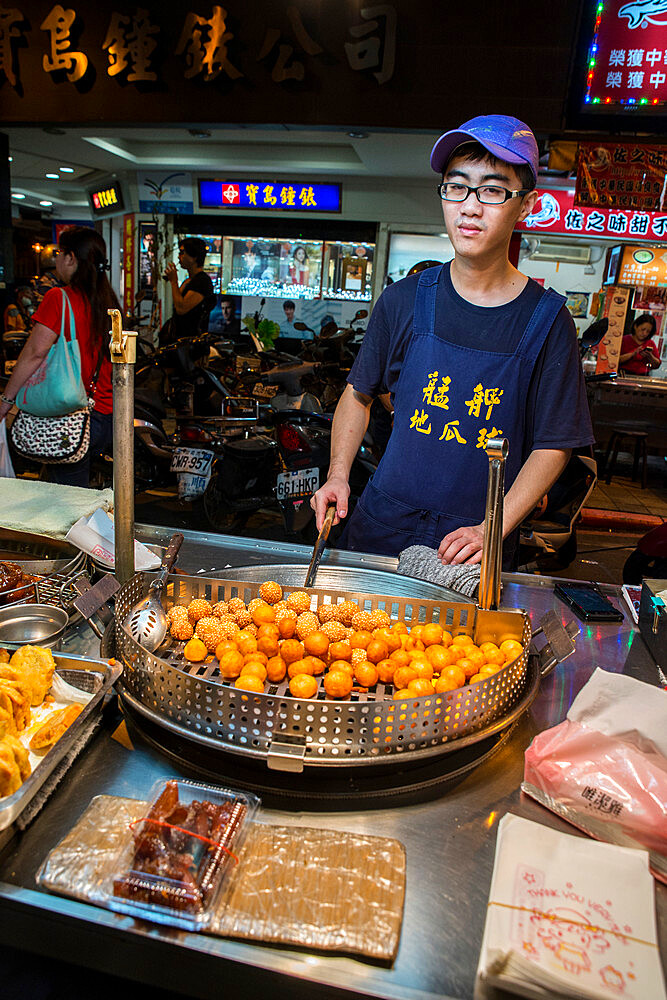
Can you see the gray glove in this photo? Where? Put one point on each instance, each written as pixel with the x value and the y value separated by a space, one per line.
pixel 422 562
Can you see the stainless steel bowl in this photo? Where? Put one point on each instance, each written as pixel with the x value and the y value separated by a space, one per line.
pixel 32 624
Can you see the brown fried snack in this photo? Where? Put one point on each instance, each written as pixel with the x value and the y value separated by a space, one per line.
pixel 54 727
pixel 14 765
pixel 16 703
pixel 4 656
pixel 37 665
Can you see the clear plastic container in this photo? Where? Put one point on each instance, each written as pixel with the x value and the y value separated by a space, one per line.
pixel 177 856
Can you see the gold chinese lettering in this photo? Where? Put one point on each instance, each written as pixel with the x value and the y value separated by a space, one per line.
pixel 129 41
pixel 269 196
pixel 307 197
pixel 483 397
pixel 287 195
pixel 10 18
pixel 420 422
pixel 251 191
pixel 484 437
pixel 59 24
pixel 439 397
pixel 451 432
pixel 204 42
pixel 283 69
pixel 373 50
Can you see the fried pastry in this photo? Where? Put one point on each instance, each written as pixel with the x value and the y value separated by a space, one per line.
pixel 54 727
pixel 37 665
pixel 14 765
pixel 16 702
pixel 4 656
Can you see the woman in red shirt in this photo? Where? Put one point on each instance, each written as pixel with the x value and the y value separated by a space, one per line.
pixel 639 353
pixel 81 266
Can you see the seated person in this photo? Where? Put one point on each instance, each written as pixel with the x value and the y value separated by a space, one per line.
pixel 639 352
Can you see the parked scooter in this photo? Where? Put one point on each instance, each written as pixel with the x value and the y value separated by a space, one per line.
pixel 279 462
pixel 649 559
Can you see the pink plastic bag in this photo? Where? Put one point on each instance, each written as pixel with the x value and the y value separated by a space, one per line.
pixel 608 788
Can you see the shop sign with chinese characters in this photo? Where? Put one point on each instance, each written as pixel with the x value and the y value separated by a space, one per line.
pixel 555 213
pixel 194 62
pixel 627 60
pixel 621 175
pixel 288 195
pixel 643 266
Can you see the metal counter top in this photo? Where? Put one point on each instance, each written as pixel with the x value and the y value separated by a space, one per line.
pixel 450 840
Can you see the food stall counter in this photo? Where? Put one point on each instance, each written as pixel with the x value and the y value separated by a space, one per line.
pixel 448 828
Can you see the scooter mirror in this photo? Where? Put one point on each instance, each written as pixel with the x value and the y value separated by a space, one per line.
pixel 593 334
pixel 302 326
pixel 361 314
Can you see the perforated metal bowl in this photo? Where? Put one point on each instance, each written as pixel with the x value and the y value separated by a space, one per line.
pixel 289 733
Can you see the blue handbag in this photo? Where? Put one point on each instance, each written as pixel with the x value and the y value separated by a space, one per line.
pixel 56 388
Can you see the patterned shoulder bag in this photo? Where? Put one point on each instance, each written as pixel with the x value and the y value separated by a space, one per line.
pixel 55 440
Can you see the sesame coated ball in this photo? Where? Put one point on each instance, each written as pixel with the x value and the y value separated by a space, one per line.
pixel 336 631
pixel 220 609
pixel 380 619
pixel 198 608
pixel 362 620
pixel 243 618
pixel 299 601
pixel 306 623
pixel 284 613
pixel 211 631
pixel 271 592
pixel 177 611
pixel 328 613
pixel 229 628
pixel 255 603
pixel 358 656
pixel 235 605
pixel 181 628
pixel 346 612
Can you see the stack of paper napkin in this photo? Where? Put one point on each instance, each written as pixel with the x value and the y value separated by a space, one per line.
pixel 568 917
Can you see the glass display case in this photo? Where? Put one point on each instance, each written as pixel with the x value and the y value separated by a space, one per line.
pixel 347 270
pixel 271 267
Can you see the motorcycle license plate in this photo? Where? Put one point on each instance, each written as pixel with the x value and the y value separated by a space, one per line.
pixel 194 460
pixel 297 484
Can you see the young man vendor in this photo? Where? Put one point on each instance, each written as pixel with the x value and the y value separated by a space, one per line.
pixel 468 350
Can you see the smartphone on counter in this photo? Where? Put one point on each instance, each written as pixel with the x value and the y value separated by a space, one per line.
pixel 588 603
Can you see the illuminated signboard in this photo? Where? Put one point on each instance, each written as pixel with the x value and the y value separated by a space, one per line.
pixel 627 60
pixel 285 196
pixel 107 199
pixel 555 213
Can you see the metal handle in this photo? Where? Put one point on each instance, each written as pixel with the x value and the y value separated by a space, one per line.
pixel 168 560
pixel 489 583
pixel 319 545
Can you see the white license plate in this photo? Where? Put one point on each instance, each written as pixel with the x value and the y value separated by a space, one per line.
pixel 194 460
pixel 297 484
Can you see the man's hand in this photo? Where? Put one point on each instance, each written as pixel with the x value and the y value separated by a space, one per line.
pixel 462 546
pixel 335 490
pixel 171 273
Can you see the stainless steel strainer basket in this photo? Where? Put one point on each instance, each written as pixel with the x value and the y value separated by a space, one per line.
pixel 193 701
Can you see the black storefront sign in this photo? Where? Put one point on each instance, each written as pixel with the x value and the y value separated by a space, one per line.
pixel 346 63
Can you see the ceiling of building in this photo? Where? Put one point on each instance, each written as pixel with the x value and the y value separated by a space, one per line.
pixel 92 153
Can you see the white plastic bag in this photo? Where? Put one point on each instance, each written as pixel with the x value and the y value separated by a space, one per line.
pixel 6 467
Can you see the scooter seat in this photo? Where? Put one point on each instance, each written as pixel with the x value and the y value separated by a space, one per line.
pixel 254 445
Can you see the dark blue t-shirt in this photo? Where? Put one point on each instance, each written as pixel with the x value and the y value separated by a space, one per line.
pixel 557 414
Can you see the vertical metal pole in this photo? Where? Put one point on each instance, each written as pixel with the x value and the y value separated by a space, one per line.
pixel 123 357
pixel 489 582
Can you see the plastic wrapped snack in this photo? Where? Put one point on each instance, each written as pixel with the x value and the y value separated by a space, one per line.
pixel 177 855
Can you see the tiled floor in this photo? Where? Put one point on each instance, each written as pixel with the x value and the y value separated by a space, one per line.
pixel 625 495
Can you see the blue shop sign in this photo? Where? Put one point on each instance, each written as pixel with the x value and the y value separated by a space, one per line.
pixel 287 196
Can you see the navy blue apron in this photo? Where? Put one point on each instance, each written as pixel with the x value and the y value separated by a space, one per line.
pixel 433 476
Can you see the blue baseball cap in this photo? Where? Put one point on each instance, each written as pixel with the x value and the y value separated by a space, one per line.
pixel 505 137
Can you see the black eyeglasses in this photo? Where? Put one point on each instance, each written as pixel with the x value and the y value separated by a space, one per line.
pixel 487 194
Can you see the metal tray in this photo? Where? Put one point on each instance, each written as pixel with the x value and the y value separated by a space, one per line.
pixel 88 675
pixel 290 732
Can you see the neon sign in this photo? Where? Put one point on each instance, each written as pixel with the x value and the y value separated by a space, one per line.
pixel 627 59
pixel 281 196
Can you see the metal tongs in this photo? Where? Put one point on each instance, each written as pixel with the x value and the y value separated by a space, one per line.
pixel 497 450
pixel 318 548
